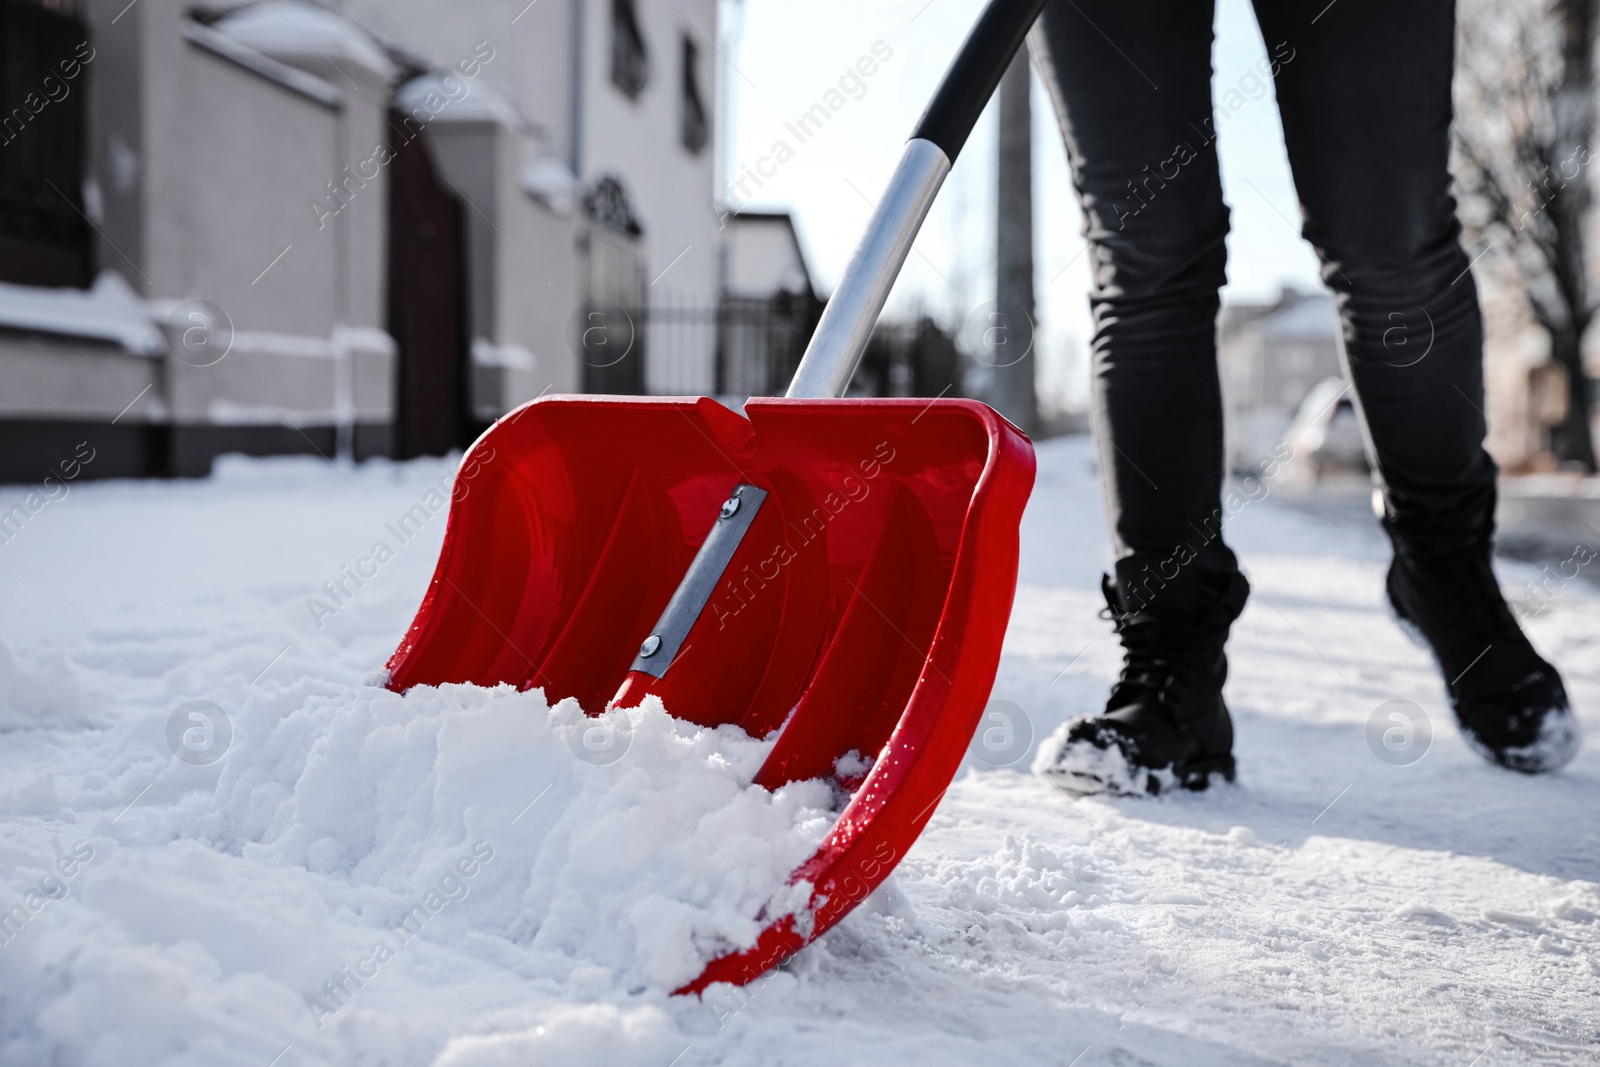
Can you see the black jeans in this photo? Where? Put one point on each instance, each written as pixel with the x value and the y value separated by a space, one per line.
pixel 1363 89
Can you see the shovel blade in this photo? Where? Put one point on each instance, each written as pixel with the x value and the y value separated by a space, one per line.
pixel 860 613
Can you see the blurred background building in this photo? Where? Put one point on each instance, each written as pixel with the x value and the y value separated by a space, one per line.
pixel 1270 356
pixel 361 228
pixel 370 227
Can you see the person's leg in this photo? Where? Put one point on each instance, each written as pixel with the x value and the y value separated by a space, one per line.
pixel 1365 102
pixel 1131 85
pixel 1364 94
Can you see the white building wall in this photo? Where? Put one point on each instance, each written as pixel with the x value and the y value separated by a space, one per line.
pixel 213 171
pixel 537 279
pixel 114 113
pixel 638 141
pixel 531 250
pixel 532 64
pixel 224 198
pixel 205 172
pixel 520 255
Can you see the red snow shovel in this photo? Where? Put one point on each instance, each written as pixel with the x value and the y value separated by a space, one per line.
pixel 837 570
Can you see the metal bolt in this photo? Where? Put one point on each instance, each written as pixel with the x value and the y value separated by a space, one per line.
pixel 730 506
pixel 651 646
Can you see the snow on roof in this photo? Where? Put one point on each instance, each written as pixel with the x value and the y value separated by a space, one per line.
pixel 276 70
pixel 110 311
pixel 549 181
pixel 458 99
pixel 294 30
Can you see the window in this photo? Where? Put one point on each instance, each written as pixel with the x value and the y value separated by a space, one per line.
pixel 696 127
pixel 44 239
pixel 630 63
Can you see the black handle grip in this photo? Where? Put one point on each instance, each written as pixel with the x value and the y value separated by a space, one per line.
pixel 976 71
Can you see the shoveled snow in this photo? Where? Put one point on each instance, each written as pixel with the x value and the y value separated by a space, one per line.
pixel 1084 768
pixel 1333 907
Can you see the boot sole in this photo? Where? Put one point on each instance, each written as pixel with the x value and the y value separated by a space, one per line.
pixel 1195 776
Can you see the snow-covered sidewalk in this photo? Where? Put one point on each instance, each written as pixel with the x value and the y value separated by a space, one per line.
pixel 1344 903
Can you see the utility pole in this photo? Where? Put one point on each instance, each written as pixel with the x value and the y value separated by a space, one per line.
pixel 1009 341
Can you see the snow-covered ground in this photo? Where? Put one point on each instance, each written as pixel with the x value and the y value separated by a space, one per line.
pixel 1343 903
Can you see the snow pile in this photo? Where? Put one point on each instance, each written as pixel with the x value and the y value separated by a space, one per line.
pixel 40 697
pixel 354 836
pixel 632 842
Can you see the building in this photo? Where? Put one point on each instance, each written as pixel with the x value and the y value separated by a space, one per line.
pixel 584 167
pixel 1270 356
pixel 1525 389
pixel 241 325
pixel 768 306
pixel 361 228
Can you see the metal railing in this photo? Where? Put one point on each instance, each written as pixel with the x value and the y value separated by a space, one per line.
pixel 736 347
pixel 742 347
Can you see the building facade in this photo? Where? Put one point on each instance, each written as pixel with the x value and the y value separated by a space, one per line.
pixel 356 228
pixel 1270 356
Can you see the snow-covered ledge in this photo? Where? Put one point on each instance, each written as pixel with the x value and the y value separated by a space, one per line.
pixel 106 366
pixel 275 378
pixel 79 353
pixel 311 38
pixel 109 311
pixel 225 46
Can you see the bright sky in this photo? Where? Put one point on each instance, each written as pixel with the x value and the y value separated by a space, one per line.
pixel 786 56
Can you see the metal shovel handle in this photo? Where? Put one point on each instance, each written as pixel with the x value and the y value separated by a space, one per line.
pixel 842 333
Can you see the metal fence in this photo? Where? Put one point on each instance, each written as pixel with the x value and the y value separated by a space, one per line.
pixel 915 358
pixel 741 347
pixel 738 347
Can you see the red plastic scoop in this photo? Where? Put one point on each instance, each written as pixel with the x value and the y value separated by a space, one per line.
pixel 864 604
pixel 839 570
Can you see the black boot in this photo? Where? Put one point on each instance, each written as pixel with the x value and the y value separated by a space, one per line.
pixel 1509 702
pixel 1165 723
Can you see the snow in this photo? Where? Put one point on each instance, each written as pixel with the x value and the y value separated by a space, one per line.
pixel 444 96
pixel 1335 906
pixel 1559 739
pixel 298 32
pixel 552 183
pixel 1088 768
pixel 107 311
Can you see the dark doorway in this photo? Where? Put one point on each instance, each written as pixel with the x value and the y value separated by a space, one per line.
pixel 427 305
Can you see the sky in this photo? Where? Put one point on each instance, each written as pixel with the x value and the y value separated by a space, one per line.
pixel 782 57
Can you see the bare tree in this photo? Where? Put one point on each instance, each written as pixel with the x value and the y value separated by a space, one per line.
pixel 1524 128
